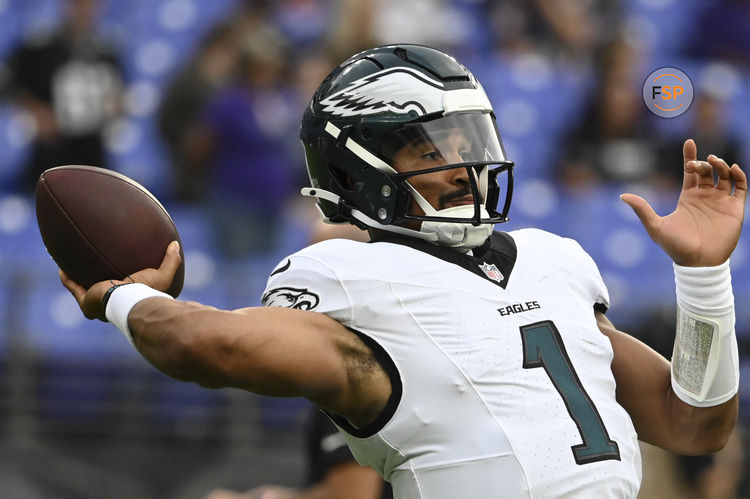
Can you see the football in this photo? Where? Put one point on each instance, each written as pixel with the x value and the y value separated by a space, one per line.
pixel 98 224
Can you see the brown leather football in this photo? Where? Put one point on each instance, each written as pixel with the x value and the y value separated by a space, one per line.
pixel 98 224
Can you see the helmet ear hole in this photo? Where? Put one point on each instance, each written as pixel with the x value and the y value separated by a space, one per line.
pixel 343 179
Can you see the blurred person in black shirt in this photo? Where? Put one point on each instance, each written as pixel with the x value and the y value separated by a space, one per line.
pixel 615 142
pixel 332 471
pixel 69 81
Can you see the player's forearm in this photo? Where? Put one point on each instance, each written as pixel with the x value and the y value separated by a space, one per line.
pixel 179 338
pixel 263 350
pixel 660 418
pixel 705 366
pixel 701 397
pixel 701 430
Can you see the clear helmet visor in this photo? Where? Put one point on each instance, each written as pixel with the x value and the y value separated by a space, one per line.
pixel 449 162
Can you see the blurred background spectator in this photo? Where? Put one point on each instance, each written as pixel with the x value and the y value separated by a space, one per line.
pixel 209 70
pixel 614 141
pixel 566 29
pixel 725 36
pixel 68 80
pixel 201 101
pixel 332 472
pixel 240 147
pixel 709 127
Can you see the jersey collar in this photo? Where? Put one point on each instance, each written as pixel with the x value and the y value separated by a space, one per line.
pixel 493 260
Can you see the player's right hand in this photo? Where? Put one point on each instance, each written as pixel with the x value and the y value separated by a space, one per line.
pixel 90 300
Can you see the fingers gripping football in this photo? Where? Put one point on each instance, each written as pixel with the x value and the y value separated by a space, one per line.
pixel 90 300
pixel 162 277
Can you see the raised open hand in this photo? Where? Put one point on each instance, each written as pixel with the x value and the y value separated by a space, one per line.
pixel 704 228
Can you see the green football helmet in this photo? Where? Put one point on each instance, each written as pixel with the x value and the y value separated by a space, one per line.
pixel 381 101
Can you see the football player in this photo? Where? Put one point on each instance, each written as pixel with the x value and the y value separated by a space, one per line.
pixel 458 361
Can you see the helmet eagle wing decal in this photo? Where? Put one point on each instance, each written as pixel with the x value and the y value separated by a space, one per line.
pixel 396 90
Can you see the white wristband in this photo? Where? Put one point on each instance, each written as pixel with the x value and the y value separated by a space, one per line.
pixel 121 302
pixel 705 366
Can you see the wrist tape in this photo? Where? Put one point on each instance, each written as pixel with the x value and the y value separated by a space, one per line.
pixel 705 366
pixel 120 301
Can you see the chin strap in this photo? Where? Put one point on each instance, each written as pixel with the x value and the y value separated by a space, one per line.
pixel 461 236
pixel 458 235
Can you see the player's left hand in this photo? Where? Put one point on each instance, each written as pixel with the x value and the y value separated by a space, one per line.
pixel 704 228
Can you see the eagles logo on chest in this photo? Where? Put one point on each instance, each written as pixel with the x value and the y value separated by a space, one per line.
pixel 287 297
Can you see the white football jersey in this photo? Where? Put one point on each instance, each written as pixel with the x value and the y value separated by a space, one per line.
pixel 502 385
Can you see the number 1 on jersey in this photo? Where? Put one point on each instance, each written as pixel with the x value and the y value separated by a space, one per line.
pixel 543 347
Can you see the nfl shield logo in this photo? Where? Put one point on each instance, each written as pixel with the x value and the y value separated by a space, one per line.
pixel 492 272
